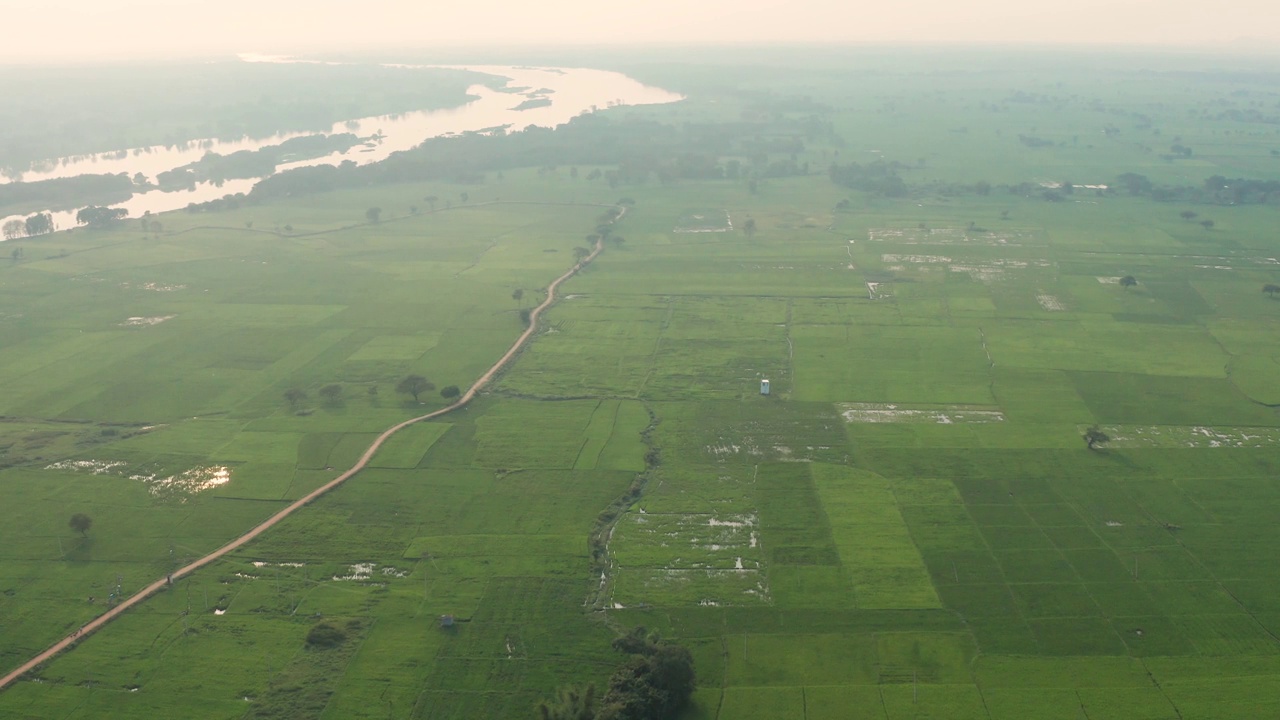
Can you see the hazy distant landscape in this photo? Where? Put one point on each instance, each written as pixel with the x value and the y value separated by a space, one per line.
pixel 1017 455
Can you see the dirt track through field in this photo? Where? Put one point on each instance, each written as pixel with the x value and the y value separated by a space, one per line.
pixel 143 594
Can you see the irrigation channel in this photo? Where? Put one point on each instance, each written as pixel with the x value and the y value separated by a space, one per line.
pixel 146 592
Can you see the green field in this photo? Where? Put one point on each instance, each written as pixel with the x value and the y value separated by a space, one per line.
pixel 909 526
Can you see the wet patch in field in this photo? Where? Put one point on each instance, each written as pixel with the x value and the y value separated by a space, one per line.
pixel 146 321
pixel 952 236
pixel 161 483
pixel 936 414
pixel 1188 436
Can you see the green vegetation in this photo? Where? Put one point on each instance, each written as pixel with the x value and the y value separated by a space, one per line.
pixel 991 480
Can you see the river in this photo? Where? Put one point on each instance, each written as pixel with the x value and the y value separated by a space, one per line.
pixel 569 91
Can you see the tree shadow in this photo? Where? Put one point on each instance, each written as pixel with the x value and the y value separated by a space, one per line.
pixel 81 551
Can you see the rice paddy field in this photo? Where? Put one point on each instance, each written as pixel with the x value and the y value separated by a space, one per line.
pixel 909 525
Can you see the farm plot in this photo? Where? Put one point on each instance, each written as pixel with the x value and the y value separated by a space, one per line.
pixel 884 364
pixel 704 221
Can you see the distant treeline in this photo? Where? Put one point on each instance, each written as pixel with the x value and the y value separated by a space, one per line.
pixel 884 179
pixel 254 163
pixel 64 193
pixel 1217 190
pixel 639 151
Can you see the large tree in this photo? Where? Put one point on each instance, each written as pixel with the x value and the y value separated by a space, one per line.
pixel 14 229
pixel 1094 436
pixel 81 523
pixel 39 224
pixel 749 227
pixel 414 385
pixel 373 214
pixel 1128 281
pixel 1271 289
pixel 332 394
pixel 295 397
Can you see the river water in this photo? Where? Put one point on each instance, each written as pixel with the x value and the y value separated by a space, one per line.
pixel 572 92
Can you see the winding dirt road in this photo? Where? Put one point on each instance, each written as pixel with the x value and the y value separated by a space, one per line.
pixel 297 505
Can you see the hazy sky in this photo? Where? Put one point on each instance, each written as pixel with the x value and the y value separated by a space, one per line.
pixel 42 30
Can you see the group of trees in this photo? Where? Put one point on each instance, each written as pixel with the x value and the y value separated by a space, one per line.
pixel 65 193
pixel 37 224
pixel 262 162
pixel 655 683
pixel 100 217
pixel 1215 190
pixel 333 394
pixel 877 178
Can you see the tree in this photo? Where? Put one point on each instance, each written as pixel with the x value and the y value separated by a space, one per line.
pixel 749 227
pixel 414 385
pixel 81 523
pixel 464 197
pixel 517 294
pixel 14 229
pixel 1128 281
pixel 431 200
pixel 581 253
pixel 295 396
pixel 1188 215
pixel 1206 224
pixel 39 224
pixel 526 316
pixel 373 213
pixel 450 392
pixel 1271 289
pixel 332 394
pixel 1094 436
pixel 99 217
